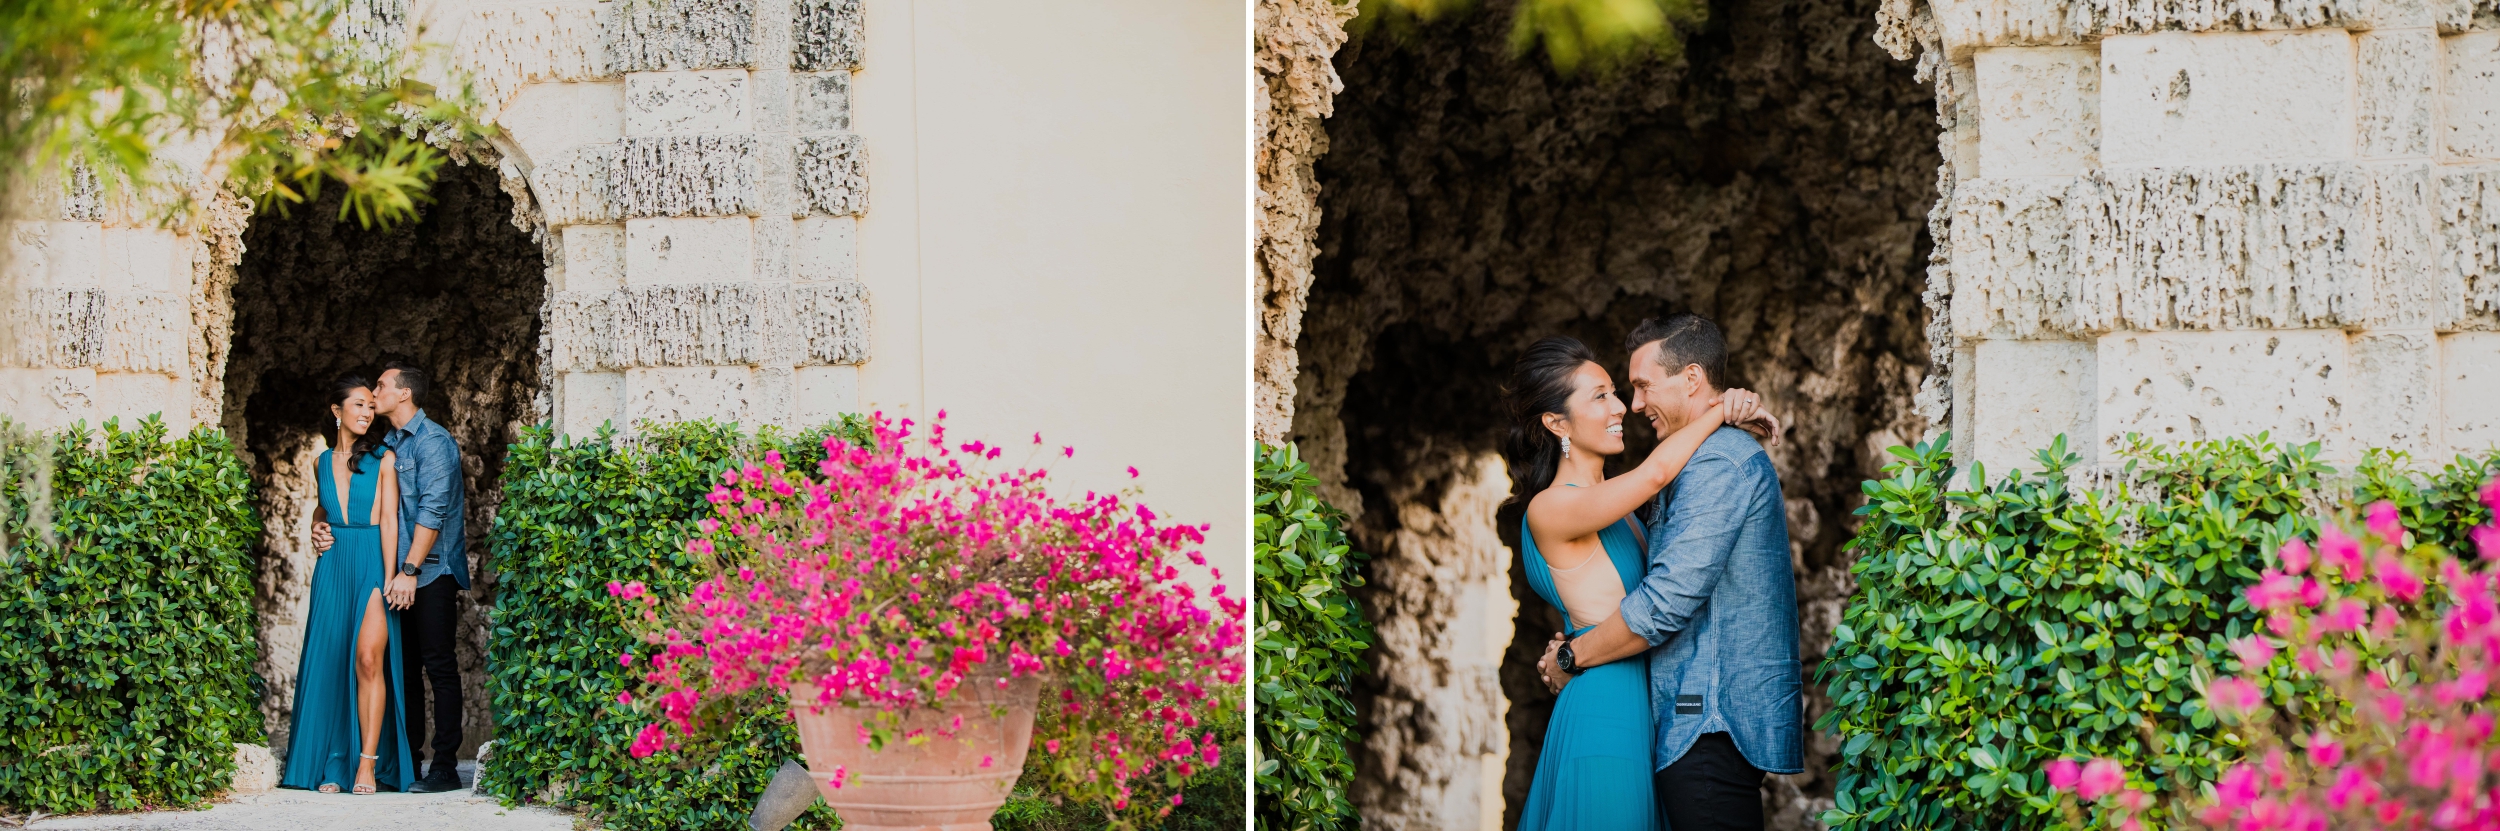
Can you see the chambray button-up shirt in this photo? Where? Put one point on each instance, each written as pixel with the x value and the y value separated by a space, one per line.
pixel 431 494
pixel 1718 606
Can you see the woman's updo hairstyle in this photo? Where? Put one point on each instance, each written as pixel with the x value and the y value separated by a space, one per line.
pixel 365 444
pixel 1540 383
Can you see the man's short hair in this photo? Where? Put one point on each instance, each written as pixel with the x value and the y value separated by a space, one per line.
pixel 411 379
pixel 1684 338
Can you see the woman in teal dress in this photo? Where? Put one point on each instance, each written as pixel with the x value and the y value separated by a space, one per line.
pixel 1584 552
pixel 347 702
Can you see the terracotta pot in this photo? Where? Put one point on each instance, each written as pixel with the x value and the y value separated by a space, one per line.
pixel 940 784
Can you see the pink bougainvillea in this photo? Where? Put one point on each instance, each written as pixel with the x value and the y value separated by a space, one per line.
pixel 2368 702
pixel 901 571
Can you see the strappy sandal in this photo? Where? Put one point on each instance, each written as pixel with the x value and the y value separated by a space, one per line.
pixel 328 787
pixel 365 790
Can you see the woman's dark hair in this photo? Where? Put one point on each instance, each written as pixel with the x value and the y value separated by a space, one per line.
pixel 372 438
pixel 1540 383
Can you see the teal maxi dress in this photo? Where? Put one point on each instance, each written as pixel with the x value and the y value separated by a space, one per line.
pixel 327 740
pixel 1595 768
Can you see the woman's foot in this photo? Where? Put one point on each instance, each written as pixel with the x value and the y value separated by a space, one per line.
pixel 328 787
pixel 364 775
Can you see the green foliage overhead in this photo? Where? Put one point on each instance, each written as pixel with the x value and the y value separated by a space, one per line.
pixel 1308 638
pixel 104 84
pixel 126 640
pixel 2003 624
pixel 1571 33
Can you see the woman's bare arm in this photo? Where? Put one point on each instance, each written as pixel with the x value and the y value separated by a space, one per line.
pixel 386 514
pixel 1561 514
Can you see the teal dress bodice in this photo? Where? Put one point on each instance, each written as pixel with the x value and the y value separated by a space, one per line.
pixel 1594 770
pixel 326 737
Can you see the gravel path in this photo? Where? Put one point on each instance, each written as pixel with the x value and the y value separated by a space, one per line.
pixel 292 810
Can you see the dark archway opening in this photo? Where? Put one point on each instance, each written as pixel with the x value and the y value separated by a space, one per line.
pixel 457 292
pixel 1776 178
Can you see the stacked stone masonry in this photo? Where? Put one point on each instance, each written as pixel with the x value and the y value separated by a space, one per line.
pixel 688 163
pixel 2196 220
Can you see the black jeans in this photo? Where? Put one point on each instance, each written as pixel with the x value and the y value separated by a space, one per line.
pixel 428 633
pixel 1712 788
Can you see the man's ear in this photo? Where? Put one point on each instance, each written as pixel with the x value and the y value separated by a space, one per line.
pixel 1695 382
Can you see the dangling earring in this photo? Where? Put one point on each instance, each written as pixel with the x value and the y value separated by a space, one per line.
pixel 1566 440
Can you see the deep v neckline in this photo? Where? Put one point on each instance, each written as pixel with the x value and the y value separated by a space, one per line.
pixel 343 481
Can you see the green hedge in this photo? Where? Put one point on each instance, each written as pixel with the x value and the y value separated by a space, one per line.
pixel 1309 639
pixel 579 514
pixel 2018 620
pixel 575 516
pixel 127 640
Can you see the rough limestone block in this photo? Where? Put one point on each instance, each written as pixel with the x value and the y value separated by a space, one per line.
pixel 2252 246
pixel 825 393
pixel 822 101
pixel 689 250
pixel 2394 392
pixel 54 328
pixel 2013 276
pixel 705 324
pixel 2397 71
pixel 832 319
pixel 47 399
pixel 771 99
pixel 504 47
pixel 2039 111
pixel 1971 24
pixel 147 332
pixel 578 186
pixel 826 34
pixel 548 120
pixel 2223 98
pixel 687 103
pixel 656 35
pixel 2199 386
pixel 2469 250
pixel 255 770
pixel 132 396
pixel 2029 393
pixel 75 255
pixel 587 400
pixel 594 257
pixel 143 259
pixel 833 174
pixel 826 248
pixel 689 393
pixel 708 175
pixel 2469 391
pixel 2470 97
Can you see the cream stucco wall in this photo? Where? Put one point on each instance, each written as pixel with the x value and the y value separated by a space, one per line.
pixel 1056 238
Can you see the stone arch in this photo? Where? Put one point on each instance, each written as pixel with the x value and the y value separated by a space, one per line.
pixel 1775 178
pixel 685 169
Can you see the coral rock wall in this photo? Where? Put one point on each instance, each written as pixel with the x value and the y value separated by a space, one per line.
pixel 456 292
pixel 1776 179
pixel 1294 41
pixel 2220 220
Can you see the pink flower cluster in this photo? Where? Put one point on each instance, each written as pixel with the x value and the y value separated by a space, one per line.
pixel 902 571
pixel 2400 643
pixel 2098 780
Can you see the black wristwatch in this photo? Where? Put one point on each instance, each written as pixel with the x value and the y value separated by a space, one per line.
pixel 1567 662
pixel 407 569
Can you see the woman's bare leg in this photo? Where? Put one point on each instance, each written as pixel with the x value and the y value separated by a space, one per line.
pixel 373 691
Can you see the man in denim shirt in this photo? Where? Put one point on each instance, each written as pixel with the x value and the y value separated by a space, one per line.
pixel 1717 608
pixel 432 503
